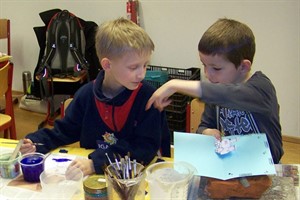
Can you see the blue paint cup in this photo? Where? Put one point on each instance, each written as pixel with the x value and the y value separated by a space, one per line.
pixel 32 166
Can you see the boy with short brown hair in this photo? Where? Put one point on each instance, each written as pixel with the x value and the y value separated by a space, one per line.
pixel 237 101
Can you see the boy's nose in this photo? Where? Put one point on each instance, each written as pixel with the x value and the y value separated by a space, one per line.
pixel 209 75
pixel 141 73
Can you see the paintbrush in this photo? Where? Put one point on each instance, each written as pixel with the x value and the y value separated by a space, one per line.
pixel 35 143
pixel 219 127
pixel 16 150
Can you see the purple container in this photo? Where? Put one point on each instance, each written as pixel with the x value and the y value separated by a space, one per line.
pixel 32 166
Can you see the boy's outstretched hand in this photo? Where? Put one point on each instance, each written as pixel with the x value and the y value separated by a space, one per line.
pixel 160 98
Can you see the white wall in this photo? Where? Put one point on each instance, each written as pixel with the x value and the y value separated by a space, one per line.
pixel 176 27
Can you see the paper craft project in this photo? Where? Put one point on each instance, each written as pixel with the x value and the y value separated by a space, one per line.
pixel 250 157
pixel 225 146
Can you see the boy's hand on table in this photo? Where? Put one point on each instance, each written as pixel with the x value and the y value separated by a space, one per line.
pixel 213 132
pixel 74 173
pixel 27 146
pixel 85 165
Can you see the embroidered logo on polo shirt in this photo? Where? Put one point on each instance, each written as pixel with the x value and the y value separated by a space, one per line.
pixel 110 138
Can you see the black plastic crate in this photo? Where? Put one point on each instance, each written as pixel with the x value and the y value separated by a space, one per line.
pixel 176 115
pixel 176 122
pixel 192 73
pixel 176 125
pixel 177 107
pixel 176 111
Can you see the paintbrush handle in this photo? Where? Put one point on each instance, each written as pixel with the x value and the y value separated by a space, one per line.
pixel 16 151
pixel 35 143
pixel 38 144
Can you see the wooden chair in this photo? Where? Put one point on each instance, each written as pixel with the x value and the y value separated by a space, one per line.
pixel 64 106
pixel 5 32
pixel 194 114
pixel 7 120
pixel 5 35
pixel 52 113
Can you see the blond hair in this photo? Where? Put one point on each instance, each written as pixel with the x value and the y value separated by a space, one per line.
pixel 115 38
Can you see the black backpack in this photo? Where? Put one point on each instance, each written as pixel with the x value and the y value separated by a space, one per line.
pixel 84 51
pixel 65 47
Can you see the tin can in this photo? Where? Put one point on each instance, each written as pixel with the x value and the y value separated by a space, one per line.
pixel 95 188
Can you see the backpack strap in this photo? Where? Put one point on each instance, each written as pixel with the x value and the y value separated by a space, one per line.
pixel 44 73
pixel 81 60
pixel 78 56
pixel 50 37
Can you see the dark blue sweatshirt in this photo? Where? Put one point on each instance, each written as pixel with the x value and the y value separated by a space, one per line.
pixel 114 126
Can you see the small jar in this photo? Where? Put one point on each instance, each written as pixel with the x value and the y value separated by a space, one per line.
pixel 95 188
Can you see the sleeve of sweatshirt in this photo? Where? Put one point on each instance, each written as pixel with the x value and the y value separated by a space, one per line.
pixel 99 160
pixel 208 119
pixel 253 95
pixel 65 131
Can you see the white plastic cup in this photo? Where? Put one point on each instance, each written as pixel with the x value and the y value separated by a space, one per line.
pixel 169 180
pixel 61 184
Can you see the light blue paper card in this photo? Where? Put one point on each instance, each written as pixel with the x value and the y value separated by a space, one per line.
pixel 251 156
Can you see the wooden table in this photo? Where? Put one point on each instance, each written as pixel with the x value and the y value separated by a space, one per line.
pixel 35 187
pixel 282 187
pixel 32 190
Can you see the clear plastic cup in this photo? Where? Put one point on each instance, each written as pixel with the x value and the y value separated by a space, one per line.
pixel 125 188
pixel 9 168
pixel 61 184
pixel 169 180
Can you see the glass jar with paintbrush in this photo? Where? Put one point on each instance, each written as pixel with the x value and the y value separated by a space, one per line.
pixel 125 179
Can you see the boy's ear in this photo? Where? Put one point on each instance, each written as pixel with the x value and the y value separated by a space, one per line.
pixel 105 63
pixel 245 66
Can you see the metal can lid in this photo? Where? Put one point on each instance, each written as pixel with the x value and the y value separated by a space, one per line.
pixel 95 184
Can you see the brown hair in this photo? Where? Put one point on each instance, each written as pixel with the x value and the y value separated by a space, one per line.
pixel 232 39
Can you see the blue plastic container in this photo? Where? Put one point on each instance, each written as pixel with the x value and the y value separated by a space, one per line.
pixel 156 78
